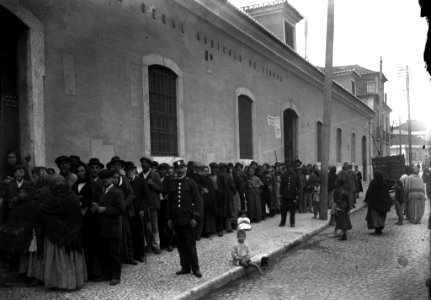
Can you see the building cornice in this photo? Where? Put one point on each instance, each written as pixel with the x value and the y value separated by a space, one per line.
pixel 248 31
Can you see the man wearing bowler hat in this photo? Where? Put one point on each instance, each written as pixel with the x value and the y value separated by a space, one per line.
pixel 183 215
pixel 290 187
pixel 109 212
pixel 64 164
pixel 95 167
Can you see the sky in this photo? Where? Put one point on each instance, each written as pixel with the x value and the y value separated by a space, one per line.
pixel 364 31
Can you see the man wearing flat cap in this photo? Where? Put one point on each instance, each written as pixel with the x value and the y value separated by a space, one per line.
pixel 64 164
pixel 155 187
pixel 109 210
pixel 183 215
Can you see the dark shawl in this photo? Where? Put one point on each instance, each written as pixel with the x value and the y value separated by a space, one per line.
pixel 377 196
pixel 61 217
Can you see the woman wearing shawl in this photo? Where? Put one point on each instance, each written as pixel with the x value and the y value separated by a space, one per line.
pixel 415 197
pixel 379 203
pixel 64 265
pixel 253 187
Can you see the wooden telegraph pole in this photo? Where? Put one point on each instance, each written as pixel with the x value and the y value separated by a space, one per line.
pixel 327 107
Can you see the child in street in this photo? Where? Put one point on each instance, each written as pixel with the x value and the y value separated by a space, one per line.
pixel 243 223
pixel 342 219
pixel 316 198
pixel 241 252
pixel 399 201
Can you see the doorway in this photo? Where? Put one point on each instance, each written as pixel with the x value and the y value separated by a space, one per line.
pixel 12 72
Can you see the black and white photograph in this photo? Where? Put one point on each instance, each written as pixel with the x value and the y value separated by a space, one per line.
pixel 215 149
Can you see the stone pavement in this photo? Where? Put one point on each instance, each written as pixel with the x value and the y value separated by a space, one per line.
pixel 157 280
pixel 390 266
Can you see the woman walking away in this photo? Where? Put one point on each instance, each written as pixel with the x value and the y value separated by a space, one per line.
pixel 62 220
pixel 379 203
pixel 415 197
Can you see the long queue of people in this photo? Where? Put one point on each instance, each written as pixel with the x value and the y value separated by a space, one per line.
pixel 63 229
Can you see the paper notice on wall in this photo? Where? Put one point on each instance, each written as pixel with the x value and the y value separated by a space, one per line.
pixel 275 122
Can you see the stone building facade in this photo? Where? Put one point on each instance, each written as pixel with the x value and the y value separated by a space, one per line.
pixel 196 79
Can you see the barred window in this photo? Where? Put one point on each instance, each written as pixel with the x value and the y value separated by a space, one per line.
pixel 245 127
pixel 353 148
pixel 339 154
pixel 163 111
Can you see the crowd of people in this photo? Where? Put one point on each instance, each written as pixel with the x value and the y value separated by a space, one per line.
pixel 83 223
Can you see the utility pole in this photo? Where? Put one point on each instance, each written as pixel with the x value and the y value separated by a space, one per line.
pixel 406 72
pixel 306 37
pixel 327 107
pixel 399 130
pixel 381 114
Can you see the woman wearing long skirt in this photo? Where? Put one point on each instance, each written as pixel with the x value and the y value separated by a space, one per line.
pixel 62 220
pixel 415 197
pixel 379 203
pixel 254 205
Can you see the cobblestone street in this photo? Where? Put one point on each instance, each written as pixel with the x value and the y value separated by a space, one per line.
pixel 394 265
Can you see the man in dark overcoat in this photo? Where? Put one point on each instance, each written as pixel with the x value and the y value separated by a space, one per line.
pixel 140 204
pixel 109 211
pixel 183 215
pixel 290 187
pixel 221 189
pixel 155 189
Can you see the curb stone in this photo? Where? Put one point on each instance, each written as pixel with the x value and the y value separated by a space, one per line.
pixel 238 272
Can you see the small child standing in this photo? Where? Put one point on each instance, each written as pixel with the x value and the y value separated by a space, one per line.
pixel 316 199
pixel 243 223
pixel 342 219
pixel 241 252
pixel 399 201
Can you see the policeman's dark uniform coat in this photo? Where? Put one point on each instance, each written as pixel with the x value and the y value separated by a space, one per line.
pixel 183 206
pixel 290 187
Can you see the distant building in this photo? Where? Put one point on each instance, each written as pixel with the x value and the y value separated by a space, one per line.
pixel 420 142
pixel 369 87
pixel 198 79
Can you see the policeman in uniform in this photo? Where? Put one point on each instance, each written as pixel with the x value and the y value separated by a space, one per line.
pixel 290 187
pixel 183 215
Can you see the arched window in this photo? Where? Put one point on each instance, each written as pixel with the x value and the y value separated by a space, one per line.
pixel 353 148
pixel 339 154
pixel 319 140
pixel 163 111
pixel 245 127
